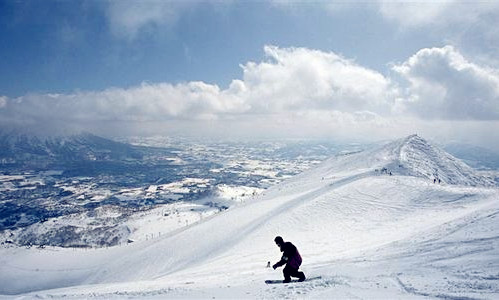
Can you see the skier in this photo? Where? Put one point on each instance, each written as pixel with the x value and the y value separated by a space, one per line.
pixel 291 257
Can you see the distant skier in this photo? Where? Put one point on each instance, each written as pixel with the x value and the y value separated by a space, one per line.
pixel 291 257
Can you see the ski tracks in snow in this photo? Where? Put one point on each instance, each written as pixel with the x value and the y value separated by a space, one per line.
pixel 254 224
pixel 297 290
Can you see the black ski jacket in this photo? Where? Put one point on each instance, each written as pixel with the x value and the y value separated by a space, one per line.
pixel 290 256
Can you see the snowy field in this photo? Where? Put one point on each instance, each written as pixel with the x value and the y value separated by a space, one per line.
pixel 366 233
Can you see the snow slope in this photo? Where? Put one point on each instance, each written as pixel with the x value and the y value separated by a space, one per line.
pixel 368 234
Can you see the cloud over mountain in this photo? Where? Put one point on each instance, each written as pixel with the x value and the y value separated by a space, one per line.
pixel 297 90
pixel 445 85
pixel 298 78
pixel 289 80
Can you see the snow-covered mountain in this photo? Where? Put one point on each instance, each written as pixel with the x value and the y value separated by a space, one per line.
pixel 367 233
pixel 421 159
pixel 412 156
pixel 31 150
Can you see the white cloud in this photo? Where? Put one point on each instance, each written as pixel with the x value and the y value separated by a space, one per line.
pixel 128 18
pixel 291 80
pixel 445 85
pixel 298 78
pixel 415 13
pixel 147 102
pixel 410 13
pixel 472 26
pixel 3 101
pixel 294 92
pixel 289 86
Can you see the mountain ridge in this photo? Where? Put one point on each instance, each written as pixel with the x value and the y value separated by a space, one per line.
pixel 409 156
pixel 420 158
pixel 23 148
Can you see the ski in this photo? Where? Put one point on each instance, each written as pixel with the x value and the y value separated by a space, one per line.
pixel 292 281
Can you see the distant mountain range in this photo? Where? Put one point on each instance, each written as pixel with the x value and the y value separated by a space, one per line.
pixel 18 150
pixel 32 151
pixel 477 157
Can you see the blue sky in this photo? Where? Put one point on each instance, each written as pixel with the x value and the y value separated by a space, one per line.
pixel 66 45
pixel 343 69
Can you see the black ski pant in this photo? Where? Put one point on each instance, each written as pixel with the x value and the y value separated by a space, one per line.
pixel 292 272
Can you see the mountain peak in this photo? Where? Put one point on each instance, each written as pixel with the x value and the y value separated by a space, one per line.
pixel 418 157
pixel 414 137
pixel 411 156
pixel 415 143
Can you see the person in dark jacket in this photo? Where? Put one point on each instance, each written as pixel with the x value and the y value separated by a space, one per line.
pixel 291 258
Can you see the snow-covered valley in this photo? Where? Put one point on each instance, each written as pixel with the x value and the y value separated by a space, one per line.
pixel 83 191
pixel 374 224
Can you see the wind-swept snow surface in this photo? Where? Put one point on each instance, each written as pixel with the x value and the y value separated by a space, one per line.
pixel 367 233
